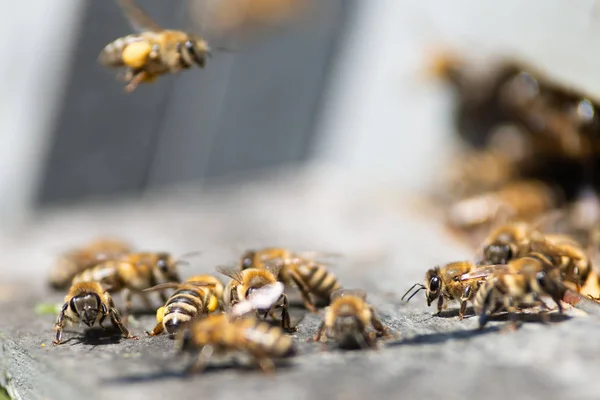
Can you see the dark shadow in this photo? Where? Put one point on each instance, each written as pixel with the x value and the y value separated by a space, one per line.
pixel 94 336
pixel 145 311
pixel 441 337
pixel 453 313
pixel 181 372
pixel 539 318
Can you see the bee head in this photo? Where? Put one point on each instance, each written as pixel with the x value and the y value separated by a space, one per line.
pixel 247 259
pixel 433 285
pixel 198 49
pixel 87 306
pixel 498 253
pixel 166 267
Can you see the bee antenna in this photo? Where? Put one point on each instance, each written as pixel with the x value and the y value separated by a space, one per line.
pixel 419 287
pixel 190 254
pixel 182 262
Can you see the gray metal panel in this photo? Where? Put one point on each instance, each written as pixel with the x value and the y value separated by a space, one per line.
pixel 104 139
pixel 253 108
pixel 247 109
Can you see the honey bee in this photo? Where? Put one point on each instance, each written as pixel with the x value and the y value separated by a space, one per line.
pixel 133 273
pixel 90 303
pixel 523 281
pixel 299 269
pixel 197 296
pixel 520 200
pixel 243 283
pixel 74 261
pixel 152 51
pixel 568 255
pixel 221 333
pixel 351 321
pixel 446 284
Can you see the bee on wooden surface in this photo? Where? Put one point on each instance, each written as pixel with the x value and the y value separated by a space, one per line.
pixel 220 333
pixel 198 296
pixel 90 303
pixel 152 51
pixel 133 273
pixel 243 283
pixel 351 321
pixel 446 284
pixel 76 260
pixel 522 282
pixel 568 255
pixel 313 280
pixel 518 200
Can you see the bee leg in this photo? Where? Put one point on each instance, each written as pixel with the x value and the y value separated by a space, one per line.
pixel 116 320
pixel 304 291
pixel 60 322
pixel 440 305
pixel 319 335
pixel 128 304
pixel 380 329
pixel 466 296
pixel 158 329
pixel 486 308
pixel 201 360
pixel 266 364
pixel 514 323
pixel 136 80
pixel 286 324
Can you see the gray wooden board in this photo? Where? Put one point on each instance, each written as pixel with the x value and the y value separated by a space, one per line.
pixel 387 246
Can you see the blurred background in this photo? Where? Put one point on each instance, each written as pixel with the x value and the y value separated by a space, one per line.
pixel 341 87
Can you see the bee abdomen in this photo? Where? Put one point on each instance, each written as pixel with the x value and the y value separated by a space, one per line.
pixel 264 338
pixel 181 308
pixel 321 282
pixel 111 53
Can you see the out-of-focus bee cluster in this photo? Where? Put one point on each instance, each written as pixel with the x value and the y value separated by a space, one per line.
pixel 249 313
pixel 524 189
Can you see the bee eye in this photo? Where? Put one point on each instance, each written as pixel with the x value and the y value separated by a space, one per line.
pixel 434 284
pixel 247 263
pixel 508 252
pixel 162 265
pixel 189 44
pixel 249 292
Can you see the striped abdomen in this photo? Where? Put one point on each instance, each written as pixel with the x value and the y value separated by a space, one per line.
pixel 263 339
pixel 106 273
pixel 185 305
pixel 111 54
pixel 320 281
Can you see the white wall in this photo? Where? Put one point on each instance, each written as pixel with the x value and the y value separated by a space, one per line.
pixel 36 38
pixel 386 124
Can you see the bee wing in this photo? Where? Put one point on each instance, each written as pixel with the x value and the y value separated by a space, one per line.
pixel 274 266
pixel 163 286
pixel 349 292
pixel 260 299
pixel 232 272
pixel 139 20
pixel 484 271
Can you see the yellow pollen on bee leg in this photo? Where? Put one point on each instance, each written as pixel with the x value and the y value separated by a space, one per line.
pixel 136 54
pixel 160 314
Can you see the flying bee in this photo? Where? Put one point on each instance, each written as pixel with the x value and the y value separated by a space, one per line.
pixel 299 269
pixel 197 296
pixel 90 303
pixel 152 51
pixel 243 283
pixel 523 281
pixel 221 333
pixel 519 200
pixel 76 260
pixel 133 273
pixel 351 321
pixel 446 283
